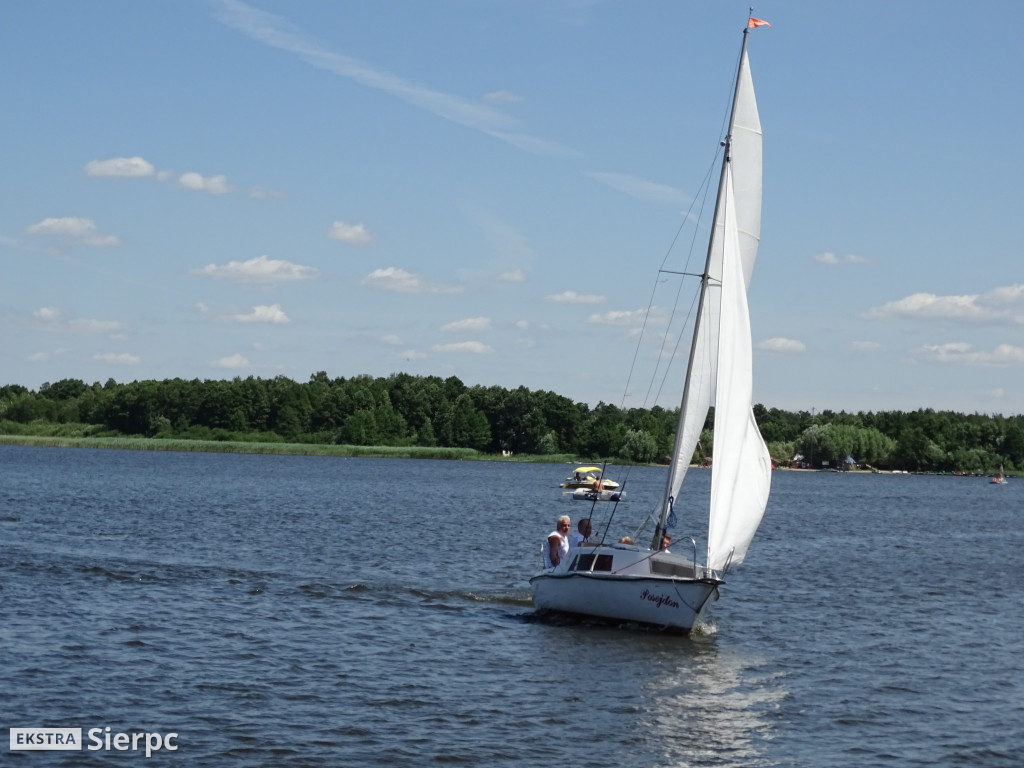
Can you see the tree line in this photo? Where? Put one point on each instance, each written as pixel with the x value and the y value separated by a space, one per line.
pixel 406 410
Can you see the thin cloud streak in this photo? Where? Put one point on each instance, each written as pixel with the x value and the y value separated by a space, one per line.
pixel 641 188
pixel 274 31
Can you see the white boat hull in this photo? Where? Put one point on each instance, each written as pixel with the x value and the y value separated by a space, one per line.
pixel 581 494
pixel 629 593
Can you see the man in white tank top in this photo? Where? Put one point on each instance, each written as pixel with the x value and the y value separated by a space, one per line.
pixel 558 543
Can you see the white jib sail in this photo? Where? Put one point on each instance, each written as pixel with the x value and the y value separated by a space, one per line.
pixel 742 472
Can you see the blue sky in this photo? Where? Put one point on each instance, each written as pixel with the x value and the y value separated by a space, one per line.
pixel 487 189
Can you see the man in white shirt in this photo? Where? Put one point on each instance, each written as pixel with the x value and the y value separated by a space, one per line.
pixel 558 543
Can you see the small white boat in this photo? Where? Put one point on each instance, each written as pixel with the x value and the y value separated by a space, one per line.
pixel 584 494
pixel 630 583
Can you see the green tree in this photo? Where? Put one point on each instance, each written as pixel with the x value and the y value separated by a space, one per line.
pixel 468 426
pixel 818 444
pixel 425 434
pixel 360 429
pixel 548 444
pixel 638 446
pixel 603 431
pixel 915 451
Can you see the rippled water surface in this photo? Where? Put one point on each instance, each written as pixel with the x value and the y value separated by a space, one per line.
pixel 310 611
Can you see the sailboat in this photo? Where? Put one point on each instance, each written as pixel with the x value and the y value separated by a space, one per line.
pixel 650 585
pixel 999 477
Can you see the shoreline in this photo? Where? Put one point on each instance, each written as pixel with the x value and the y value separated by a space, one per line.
pixel 363 451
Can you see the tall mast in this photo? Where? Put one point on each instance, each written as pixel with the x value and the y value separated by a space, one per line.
pixel 668 500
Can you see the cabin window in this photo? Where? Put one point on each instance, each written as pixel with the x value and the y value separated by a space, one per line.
pixel 663 568
pixel 586 563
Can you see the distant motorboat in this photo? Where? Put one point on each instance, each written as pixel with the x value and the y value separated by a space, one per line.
pixel 587 477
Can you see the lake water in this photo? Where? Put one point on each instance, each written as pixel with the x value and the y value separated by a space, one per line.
pixel 311 611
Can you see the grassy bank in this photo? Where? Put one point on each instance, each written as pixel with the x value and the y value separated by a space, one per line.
pixel 288 449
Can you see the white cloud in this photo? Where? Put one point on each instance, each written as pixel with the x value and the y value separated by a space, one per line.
pixel 215 185
pixel 54 320
pixel 929 305
pixel 262 269
pixel 353 234
pixel 124 358
pixel 631 317
pixel 1006 294
pixel 469 324
pixel 512 276
pixel 850 258
pixel 473 347
pixel 641 188
pixel 398 280
pixel 1004 304
pixel 75 227
pixel 232 361
pixel 122 167
pixel 263 314
pixel 42 357
pixel 72 226
pixel 962 353
pixel 780 344
pixel 571 297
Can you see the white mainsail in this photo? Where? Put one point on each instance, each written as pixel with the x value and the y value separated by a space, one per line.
pixel 739 485
pixel 742 472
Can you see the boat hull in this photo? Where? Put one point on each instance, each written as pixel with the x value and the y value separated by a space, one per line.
pixel 581 494
pixel 669 603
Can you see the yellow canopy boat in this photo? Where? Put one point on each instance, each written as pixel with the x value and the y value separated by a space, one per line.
pixel 586 477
